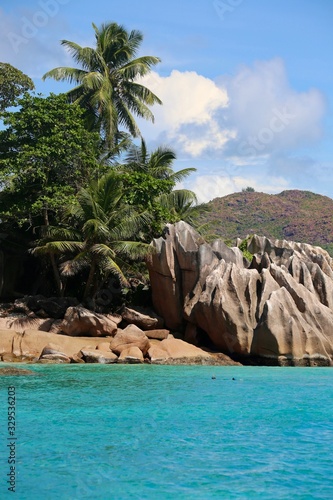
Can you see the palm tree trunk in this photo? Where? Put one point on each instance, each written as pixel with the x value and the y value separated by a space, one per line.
pixel 90 279
pixel 56 275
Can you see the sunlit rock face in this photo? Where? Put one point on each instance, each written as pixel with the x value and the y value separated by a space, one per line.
pixel 276 309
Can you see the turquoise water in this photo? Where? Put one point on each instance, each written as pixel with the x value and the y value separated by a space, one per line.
pixel 170 432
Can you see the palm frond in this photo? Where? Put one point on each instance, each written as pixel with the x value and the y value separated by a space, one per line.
pixel 92 81
pixel 105 84
pixel 58 247
pixel 178 199
pixel 161 158
pixel 87 57
pixel 103 250
pixel 137 156
pixel 60 233
pixel 74 266
pixel 125 117
pixel 139 67
pixel 133 249
pixel 110 266
pixel 131 223
pixel 141 92
pixel 72 75
pixel 93 229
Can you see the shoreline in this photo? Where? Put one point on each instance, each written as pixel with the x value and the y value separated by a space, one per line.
pixel 137 336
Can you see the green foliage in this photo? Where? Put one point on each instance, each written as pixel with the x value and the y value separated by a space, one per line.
pixel 229 242
pixel 150 181
pixel 181 204
pixel 98 235
pixel 249 189
pixel 328 247
pixel 46 156
pixel 95 218
pixel 13 83
pixel 158 163
pixel 294 215
pixel 142 188
pixel 107 84
pixel 243 247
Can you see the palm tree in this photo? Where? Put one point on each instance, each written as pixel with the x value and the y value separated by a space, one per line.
pixel 158 163
pixel 107 84
pixel 182 204
pixel 99 235
pixel 165 203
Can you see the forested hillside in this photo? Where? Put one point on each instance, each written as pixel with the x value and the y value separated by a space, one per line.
pixel 294 215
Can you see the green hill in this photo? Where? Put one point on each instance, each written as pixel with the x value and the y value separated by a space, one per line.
pixel 293 215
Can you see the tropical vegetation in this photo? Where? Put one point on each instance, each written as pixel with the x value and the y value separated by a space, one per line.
pixel 77 194
pixel 151 183
pixel 46 156
pixel 291 215
pixel 13 83
pixel 98 235
pixel 107 84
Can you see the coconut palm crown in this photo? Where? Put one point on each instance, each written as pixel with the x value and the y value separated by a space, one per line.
pixel 99 234
pixel 165 203
pixel 107 84
pixel 157 163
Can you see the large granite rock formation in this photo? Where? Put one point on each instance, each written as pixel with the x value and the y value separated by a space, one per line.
pixel 278 309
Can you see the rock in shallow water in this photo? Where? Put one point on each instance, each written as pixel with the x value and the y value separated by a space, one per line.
pixel 99 356
pixel 15 371
pixel 132 355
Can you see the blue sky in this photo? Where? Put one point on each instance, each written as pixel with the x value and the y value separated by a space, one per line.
pixel 246 85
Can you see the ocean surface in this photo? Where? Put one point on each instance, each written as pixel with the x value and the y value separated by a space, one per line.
pixel 169 432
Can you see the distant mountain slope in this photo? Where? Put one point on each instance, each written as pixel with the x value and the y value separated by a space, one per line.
pixel 294 215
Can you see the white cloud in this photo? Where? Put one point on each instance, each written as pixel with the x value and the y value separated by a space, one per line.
pixel 250 127
pixel 245 118
pixel 252 123
pixel 188 117
pixel 208 187
pixel 268 114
